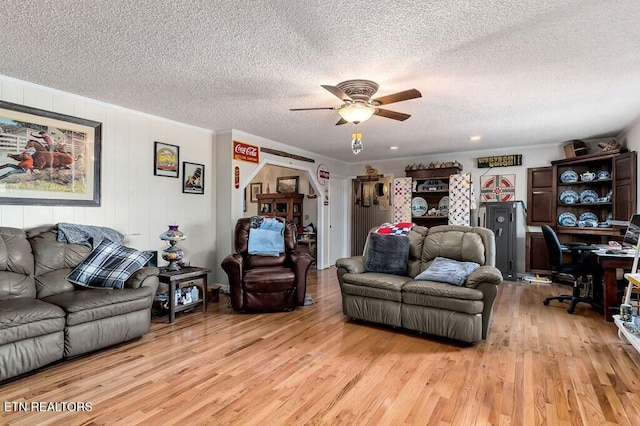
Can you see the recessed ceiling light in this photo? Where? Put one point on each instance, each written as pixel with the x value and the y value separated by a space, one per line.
pixel 393 147
pixel 475 138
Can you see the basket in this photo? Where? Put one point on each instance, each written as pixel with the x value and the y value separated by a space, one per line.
pixel 575 149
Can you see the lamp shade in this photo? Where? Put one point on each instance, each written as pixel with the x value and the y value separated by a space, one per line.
pixel 172 234
pixel 356 112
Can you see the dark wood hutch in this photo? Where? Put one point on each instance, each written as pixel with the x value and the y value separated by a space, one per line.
pixel 545 186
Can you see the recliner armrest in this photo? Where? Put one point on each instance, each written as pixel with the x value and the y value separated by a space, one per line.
pixel 353 265
pixel 484 274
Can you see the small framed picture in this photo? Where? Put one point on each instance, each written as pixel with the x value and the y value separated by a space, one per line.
pixel 287 184
pixel 256 188
pixel 166 160
pixel 192 178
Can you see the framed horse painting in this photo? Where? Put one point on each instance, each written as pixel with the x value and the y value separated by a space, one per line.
pixel 48 158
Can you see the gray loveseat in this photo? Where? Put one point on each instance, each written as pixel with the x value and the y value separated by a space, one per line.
pixel 457 312
pixel 45 318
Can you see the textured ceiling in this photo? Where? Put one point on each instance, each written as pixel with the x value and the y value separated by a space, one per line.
pixel 517 72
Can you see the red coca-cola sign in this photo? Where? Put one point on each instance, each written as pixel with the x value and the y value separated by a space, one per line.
pixel 245 152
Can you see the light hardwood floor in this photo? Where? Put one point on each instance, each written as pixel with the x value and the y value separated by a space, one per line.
pixel 539 365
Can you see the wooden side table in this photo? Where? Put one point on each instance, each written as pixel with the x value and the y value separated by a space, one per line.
pixel 174 278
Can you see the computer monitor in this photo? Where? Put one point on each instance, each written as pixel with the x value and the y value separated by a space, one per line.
pixel 633 231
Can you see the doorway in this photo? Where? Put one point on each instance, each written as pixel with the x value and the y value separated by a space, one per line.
pixel 266 180
pixel 371 206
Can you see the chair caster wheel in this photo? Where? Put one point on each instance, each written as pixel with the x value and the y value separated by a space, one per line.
pixel 545 302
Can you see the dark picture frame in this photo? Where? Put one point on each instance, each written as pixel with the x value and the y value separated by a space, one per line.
pixel 192 178
pixel 47 158
pixel 166 160
pixel 287 184
pixel 256 188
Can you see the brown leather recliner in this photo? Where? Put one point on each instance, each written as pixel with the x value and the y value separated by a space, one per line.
pixel 266 283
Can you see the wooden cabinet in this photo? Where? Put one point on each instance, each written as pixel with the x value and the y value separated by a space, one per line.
pixel 541 194
pixel 537 259
pixel 288 206
pixel 614 194
pixel 432 185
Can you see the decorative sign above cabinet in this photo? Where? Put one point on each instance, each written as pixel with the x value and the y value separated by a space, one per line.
pixel 500 161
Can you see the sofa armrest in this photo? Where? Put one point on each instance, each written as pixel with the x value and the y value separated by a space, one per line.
pixel 352 265
pixel 142 277
pixel 484 274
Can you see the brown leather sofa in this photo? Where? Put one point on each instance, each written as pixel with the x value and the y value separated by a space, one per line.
pixel 45 318
pixel 266 283
pixel 455 312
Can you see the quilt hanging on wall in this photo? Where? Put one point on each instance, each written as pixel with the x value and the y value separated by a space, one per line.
pixel 402 199
pixel 498 188
pixel 461 197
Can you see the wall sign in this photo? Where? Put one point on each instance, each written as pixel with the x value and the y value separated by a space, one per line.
pixel 323 174
pixel 500 161
pixel 245 152
pixel 236 177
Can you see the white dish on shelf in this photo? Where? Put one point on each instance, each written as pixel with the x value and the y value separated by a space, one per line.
pixel 567 219
pixel 569 197
pixel 419 206
pixel 568 176
pixel 589 196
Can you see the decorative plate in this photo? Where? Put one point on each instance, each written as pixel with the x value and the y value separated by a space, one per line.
pixel 603 174
pixel 567 219
pixel 604 224
pixel 569 197
pixel 588 216
pixel 419 206
pixel 589 196
pixel 443 205
pixel 568 176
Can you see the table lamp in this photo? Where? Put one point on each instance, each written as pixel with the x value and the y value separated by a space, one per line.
pixel 172 254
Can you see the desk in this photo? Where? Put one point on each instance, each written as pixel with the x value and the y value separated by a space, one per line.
pixel 609 263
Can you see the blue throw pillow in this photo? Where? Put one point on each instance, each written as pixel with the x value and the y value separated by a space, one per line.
pixel 108 266
pixel 448 271
pixel 387 254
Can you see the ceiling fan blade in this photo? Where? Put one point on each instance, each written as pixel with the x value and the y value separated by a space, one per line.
pixel 398 97
pixel 337 92
pixel 400 116
pixel 310 109
pixel 341 121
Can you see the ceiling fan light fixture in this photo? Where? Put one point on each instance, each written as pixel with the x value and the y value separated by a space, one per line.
pixel 356 112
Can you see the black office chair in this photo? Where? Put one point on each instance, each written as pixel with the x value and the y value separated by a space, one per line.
pixel 575 272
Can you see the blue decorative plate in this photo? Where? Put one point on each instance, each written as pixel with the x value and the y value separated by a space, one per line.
pixel 589 196
pixel 588 216
pixel 603 174
pixel 569 197
pixel 568 176
pixel 567 219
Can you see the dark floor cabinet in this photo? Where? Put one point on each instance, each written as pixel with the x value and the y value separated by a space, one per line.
pixel 501 219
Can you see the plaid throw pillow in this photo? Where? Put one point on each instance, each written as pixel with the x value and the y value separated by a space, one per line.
pixel 109 265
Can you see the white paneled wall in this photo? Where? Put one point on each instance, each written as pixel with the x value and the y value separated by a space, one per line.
pixel 133 200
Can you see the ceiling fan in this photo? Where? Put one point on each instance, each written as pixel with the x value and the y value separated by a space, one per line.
pixel 357 104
